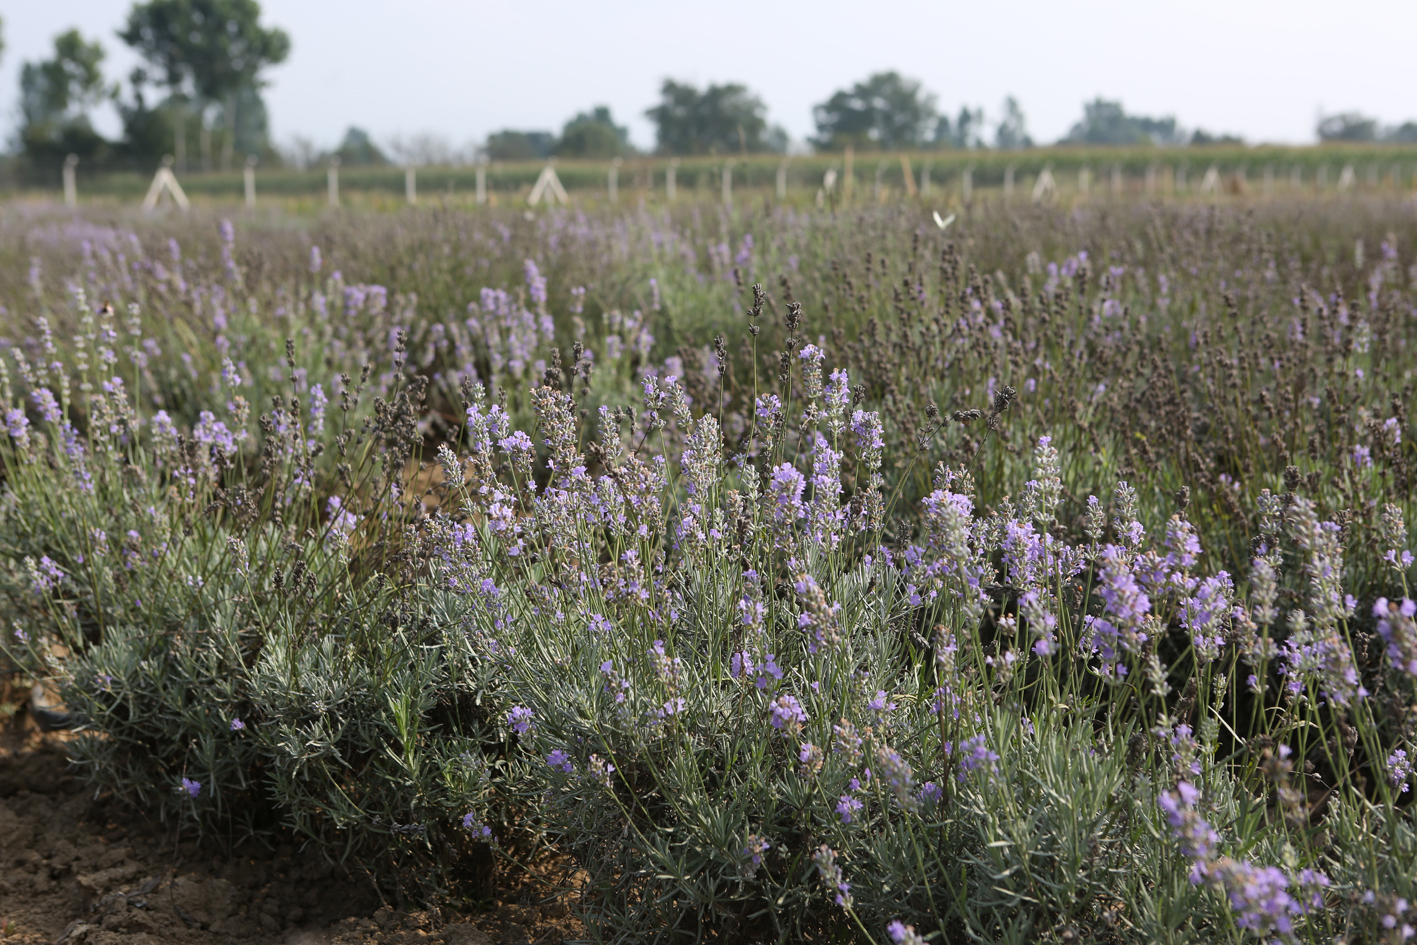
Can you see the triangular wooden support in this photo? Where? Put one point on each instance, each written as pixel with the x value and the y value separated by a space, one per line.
pixel 164 179
pixel 548 181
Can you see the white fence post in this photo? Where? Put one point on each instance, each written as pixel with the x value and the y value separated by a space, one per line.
pixel 615 180
pixel 71 188
pixel 1009 182
pixel 332 180
pixel 410 185
pixel 249 178
pixel 671 190
pixel 1084 180
pixel 925 178
pixel 966 184
pixel 782 181
pixel 728 184
pixel 481 197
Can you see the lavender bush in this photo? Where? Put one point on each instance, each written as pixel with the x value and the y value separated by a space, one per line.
pixel 1059 603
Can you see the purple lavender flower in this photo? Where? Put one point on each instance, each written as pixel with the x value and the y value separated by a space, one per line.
pixel 1400 770
pixel 902 934
pixel 1198 838
pixel 787 714
pixel 237 725
pixel 846 808
pixel 47 406
pixel 18 425
pixel 974 755
pixel 830 873
pixel 560 761
pixel 519 719
pixel 315 261
pixel 193 788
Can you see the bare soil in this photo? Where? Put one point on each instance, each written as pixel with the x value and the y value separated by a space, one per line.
pixel 81 869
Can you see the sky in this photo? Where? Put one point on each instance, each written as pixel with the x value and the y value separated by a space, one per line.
pixel 459 70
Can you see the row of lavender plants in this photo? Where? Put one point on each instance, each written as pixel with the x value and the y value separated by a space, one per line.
pixel 761 637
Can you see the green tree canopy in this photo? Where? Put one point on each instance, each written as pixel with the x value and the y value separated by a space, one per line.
pixel 1105 122
pixel 594 134
pixel 1011 133
pixel 55 98
pixel 966 132
pixel 1348 126
pixel 722 119
pixel 207 50
pixel 887 110
pixel 512 145
pixel 359 148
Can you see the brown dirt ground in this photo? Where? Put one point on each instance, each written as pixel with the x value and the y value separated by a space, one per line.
pixel 80 869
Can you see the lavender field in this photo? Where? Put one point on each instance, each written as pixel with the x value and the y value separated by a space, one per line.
pixel 780 574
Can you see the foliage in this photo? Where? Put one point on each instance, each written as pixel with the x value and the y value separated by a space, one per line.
pixel 55 98
pixel 1105 122
pixel 594 134
pixel 1011 132
pixel 721 119
pixel 520 145
pixel 886 110
pixel 966 132
pixel 358 148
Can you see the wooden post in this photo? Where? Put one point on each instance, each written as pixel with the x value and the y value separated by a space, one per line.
pixel 410 185
pixel 1322 180
pixel 925 178
pixel 850 176
pixel 249 178
pixel 782 181
pixel 332 180
pixel 1181 179
pixel 908 174
pixel 1116 186
pixel 481 197
pixel 1045 187
pixel 1084 179
pixel 71 187
pixel 1168 181
pixel 728 183
pixel 1150 180
pixel 966 184
pixel 1296 177
pixel 614 181
pixel 878 192
pixel 1269 180
pixel 670 190
pixel 1009 182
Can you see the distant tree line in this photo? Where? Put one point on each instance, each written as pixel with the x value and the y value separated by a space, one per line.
pixel 196 97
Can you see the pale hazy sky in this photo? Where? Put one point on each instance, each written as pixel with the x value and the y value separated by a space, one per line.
pixel 462 69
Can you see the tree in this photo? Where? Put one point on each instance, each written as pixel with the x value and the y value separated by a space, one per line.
pixel 966 132
pixel 55 98
pixel 1201 138
pixel 1347 126
pixel 520 145
pixel 1405 133
pixel 722 119
pixel 1105 122
pixel 359 148
pixel 1011 133
pixel 594 134
pixel 207 51
pixel 885 111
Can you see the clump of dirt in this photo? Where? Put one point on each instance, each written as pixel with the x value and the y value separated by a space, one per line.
pixel 82 869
